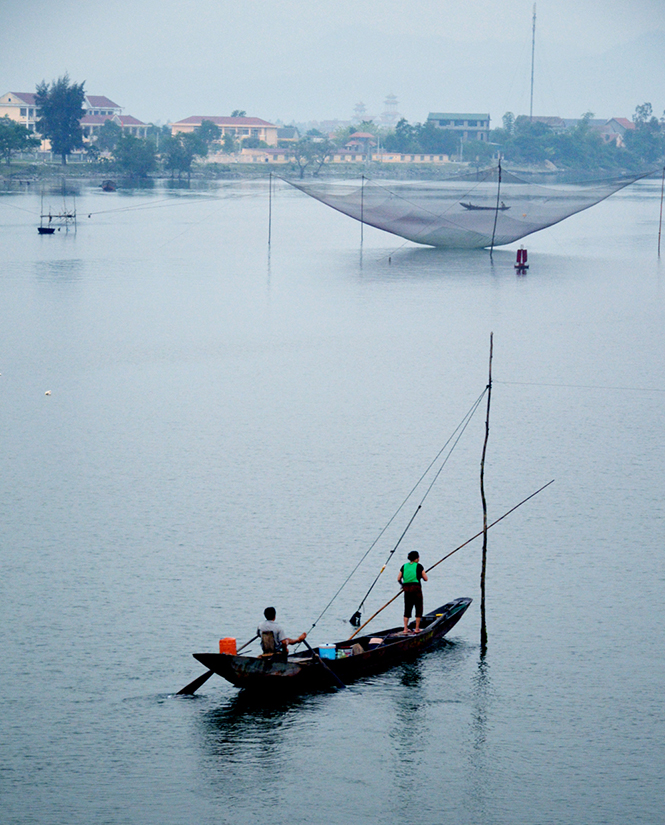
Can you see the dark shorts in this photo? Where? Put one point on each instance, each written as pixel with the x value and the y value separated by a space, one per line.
pixel 413 597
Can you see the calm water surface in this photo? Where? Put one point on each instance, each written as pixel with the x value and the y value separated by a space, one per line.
pixel 228 429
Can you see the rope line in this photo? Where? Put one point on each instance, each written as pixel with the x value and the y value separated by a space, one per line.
pixel 461 429
pixel 462 425
pixel 581 386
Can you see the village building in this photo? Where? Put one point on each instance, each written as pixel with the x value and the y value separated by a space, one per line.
pixel 615 130
pixel 21 107
pixel 360 143
pixel 237 127
pixel 467 126
pixel 91 124
pixel 556 124
pixel 288 134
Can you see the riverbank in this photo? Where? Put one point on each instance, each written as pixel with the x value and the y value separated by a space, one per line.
pixel 27 174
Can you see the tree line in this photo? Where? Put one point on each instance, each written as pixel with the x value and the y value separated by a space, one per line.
pixel 518 140
pixel 522 140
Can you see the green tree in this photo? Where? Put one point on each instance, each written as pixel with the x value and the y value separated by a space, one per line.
pixel 304 153
pixel 108 136
pixel 15 138
pixel 134 156
pixel 179 151
pixel 254 143
pixel 645 144
pixel 432 140
pixel 367 126
pixel 157 134
pixel 208 133
pixel 643 114
pixel 238 113
pixel 342 135
pixel 322 150
pixel 228 144
pixel 531 141
pixel 61 110
pixel 402 139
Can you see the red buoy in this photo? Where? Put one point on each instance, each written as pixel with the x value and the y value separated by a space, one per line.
pixel 521 262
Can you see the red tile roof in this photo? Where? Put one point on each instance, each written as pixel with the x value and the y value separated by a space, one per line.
pixel 26 97
pixel 92 120
pixel 223 121
pixel 623 121
pixel 99 101
pixel 128 120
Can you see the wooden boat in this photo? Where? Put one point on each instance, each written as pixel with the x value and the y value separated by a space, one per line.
pixel 358 657
pixel 46 230
pixel 108 186
pixel 501 208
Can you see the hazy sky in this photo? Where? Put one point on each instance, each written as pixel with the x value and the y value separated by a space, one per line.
pixel 297 60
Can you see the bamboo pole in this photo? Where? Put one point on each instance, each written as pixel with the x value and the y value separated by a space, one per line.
pixel 452 552
pixel 483 568
pixel 269 210
pixel 660 224
pixel 496 211
pixel 362 210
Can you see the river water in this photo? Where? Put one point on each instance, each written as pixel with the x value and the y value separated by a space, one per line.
pixel 228 428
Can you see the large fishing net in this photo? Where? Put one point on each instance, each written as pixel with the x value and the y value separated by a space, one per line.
pixel 488 208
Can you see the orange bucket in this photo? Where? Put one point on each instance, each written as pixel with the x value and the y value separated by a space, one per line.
pixel 228 645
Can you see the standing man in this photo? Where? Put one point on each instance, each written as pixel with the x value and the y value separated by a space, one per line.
pixel 410 576
pixel 273 638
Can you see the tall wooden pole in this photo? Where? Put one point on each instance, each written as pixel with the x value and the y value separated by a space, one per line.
pixel 533 55
pixel 496 210
pixel 362 209
pixel 660 224
pixel 269 209
pixel 483 569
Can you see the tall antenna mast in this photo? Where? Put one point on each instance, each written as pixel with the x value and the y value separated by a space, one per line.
pixel 533 53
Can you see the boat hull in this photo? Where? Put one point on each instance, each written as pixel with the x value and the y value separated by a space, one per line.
pixel 306 672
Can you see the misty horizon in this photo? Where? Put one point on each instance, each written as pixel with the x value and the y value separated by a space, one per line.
pixel 298 64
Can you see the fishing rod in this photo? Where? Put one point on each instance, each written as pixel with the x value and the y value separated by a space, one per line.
pixel 396 513
pixel 448 555
pixel 461 427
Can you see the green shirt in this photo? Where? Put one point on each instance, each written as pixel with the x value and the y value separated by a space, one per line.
pixel 412 572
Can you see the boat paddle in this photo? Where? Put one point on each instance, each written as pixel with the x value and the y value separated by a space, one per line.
pixel 339 682
pixel 192 687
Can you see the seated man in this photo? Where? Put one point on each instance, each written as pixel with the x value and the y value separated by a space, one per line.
pixel 273 638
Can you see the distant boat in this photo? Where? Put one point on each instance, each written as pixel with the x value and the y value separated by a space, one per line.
pixel 66 218
pixel 108 186
pixel 501 208
pixel 45 230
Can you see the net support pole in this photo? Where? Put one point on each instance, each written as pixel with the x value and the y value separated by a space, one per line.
pixel 483 567
pixel 269 210
pixel 496 209
pixel 660 223
pixel 362 209
pixel 533 55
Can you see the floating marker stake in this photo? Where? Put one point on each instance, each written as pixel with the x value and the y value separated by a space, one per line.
pixel 521 264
